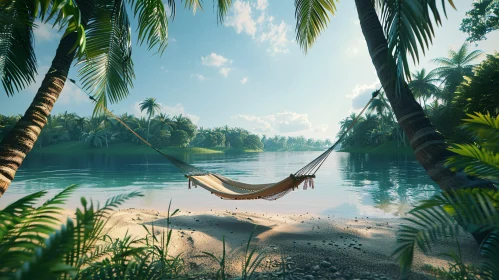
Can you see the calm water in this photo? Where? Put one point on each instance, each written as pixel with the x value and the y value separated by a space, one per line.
pixel 347 185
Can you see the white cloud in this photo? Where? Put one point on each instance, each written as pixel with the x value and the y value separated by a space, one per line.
pixel 199 77
pixel 362 93
pixel 260 125
pixel 44 32
pixel 262 5
pixel 321 128
pixel 244 80
pixel 263 29
pixel 176 110
pixel 72 94
pixel 215 60
pixel 224 71
pixel 179 110
pixel 173 40
pixel 284 123
pixel 241 18
pixel 277 38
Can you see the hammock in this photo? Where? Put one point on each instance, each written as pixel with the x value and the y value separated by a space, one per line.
pixel 226 188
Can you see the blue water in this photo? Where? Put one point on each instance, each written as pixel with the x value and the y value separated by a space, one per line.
pixel 347 185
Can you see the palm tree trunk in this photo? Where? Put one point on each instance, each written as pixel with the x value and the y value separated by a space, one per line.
pixel 428 145
pixel 148 125
pixel 21 139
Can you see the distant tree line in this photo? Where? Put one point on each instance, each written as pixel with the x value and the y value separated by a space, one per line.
pixel 159 129
pixel 447 94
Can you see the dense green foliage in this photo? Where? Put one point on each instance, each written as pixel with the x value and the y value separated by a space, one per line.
pixel 485 82
pixel 447 94
pixel 164 131
pixel 475 210
pixel 481 19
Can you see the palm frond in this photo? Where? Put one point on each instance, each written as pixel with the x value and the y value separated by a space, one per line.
pixel 107 67
pixel 223 7
pixel 312 17
pixel 481 158
pixel 194 5
pixel 472 56
pixel 409 28
pixel 26 202
pixel 435 219
pixel 18 65
pixel 475 161
pixel 48 260
pixel 152 23
pixel 489 250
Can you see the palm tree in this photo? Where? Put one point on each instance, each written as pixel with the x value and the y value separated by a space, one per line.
pixel 423 85
pixel 151 107
pixel 81 122
pixel 97 36
pixel 454 68
pixel 390 38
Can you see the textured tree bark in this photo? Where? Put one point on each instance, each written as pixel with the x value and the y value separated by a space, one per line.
pixel 428 144
pixel 21 139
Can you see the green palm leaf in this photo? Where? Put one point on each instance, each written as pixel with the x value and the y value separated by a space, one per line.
pixel 312 17
pixel 408 28
pixel 435 219
pixel 152 23
pixel 107 67
pixel 48 260
pixel 476 161
pixel 481 158
pixel 18 65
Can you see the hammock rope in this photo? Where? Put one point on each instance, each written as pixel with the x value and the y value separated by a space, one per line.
pixel 229 189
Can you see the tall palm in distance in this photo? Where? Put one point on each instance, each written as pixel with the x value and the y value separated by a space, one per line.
pixel 97 37
pixel 453 69
pixel 152 107
pixel 423 85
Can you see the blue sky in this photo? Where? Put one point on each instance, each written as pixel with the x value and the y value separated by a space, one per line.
pixel 249 72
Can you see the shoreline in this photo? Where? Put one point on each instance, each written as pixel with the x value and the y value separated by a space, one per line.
pixel 128 149
pixel 389 148
pixel 309 244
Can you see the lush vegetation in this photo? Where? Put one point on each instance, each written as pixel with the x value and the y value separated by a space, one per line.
pixel 475 210
pixel 35 244
pixel 68 131
pixel 447 94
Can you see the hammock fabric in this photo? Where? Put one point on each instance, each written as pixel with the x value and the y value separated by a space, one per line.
pixel 226 188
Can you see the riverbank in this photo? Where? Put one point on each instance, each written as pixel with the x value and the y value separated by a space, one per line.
pixel 308 246
pixel 390 148
pixel 79 148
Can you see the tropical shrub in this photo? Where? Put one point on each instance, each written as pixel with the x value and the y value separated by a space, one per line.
pixel 35 245
pixel 481 92
pixel 446 214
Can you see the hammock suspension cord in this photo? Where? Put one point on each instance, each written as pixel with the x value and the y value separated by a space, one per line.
pixel 308 171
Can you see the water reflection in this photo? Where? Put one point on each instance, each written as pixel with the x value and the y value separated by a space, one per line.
pixel 395 180
pixel 346 185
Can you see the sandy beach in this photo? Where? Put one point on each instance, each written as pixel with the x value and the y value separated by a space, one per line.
pixel 339 247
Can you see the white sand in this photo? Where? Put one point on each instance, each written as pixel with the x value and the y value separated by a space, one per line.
pixel 305 237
